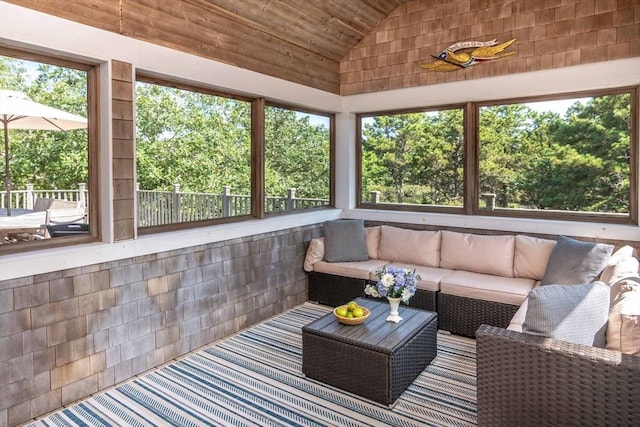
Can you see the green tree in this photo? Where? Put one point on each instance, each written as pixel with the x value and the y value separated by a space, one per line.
pixel 199 141
pixel 504 150
pixel 583 162
pixel 438 166
pixel 48 159
pixel 389 145
pixel 296 154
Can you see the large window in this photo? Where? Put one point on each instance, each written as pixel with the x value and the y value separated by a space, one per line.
pixel 564 157
pixel 48 180
pixel 297 159
pixel 412 159
pixel 193 155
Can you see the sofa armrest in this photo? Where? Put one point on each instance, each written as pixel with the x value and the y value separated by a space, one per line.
pixel 531 380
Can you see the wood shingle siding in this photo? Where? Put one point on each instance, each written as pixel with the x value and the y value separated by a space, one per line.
pixel 550 34
pixel 123 151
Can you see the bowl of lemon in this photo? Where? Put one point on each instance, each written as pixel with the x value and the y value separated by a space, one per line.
pixel 351 314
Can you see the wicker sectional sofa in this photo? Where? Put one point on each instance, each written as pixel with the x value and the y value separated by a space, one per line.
pixel 479 285
pixel 468 279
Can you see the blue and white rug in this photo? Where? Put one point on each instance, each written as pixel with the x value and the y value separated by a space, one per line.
pixel 254 378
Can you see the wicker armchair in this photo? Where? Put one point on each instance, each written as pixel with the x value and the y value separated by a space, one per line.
pixel 526 380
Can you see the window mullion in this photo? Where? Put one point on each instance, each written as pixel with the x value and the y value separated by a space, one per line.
pixel 257 157
pixel 470 158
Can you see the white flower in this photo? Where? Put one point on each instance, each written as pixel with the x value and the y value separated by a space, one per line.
pixel 406 295
pixel 387 280
pixel 372 290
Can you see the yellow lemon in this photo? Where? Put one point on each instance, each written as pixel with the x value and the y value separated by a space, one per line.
pixel 358 312
pixel 341 311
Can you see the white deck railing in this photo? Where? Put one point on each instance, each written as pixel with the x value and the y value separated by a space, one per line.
pixel 25 199
pixel 167 207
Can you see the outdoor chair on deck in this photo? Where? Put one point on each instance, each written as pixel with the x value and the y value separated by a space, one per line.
pixel 66 222
pixel 42 204
pixel 67 229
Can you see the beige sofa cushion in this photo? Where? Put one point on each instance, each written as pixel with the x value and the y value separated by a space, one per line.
pixel 372 237
pixel 508 290
pixel 620 264
pixel 531 256
pixel 477 253
pixel 356 269
pixel 430 277
pixel 409 246
pixel 623 329
pixel 518 319
pixel 315 253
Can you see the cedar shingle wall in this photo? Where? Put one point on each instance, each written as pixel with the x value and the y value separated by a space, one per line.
pixel 549 33
pixel 123 151
pixel 70 333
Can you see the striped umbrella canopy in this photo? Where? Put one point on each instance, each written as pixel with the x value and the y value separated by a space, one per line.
pixel 17 111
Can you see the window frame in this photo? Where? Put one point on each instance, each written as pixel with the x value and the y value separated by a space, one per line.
pixel 410 207
pixel 471 160
pixel 93 149
pixel 258 105
pixel 332 144
pixel 141 76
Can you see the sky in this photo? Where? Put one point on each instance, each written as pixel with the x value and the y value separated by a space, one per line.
pixel 560 107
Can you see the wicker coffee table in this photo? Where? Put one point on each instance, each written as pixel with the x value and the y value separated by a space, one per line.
pixel 376 360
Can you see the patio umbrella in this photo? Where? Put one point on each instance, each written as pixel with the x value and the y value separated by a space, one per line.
pixel 17 111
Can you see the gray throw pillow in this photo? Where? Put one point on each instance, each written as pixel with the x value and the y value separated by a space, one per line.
pixel 572 313
pixel 344 240
pixel 572 262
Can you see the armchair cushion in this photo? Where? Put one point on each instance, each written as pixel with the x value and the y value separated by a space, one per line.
pixel 623 331
pixel 576 314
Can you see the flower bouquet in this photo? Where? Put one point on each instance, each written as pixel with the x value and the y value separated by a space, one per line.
pixel 394 282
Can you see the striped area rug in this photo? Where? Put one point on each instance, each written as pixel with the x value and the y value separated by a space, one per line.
pixel 254 378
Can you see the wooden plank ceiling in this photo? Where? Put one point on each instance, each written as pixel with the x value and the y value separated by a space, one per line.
pixel 301 41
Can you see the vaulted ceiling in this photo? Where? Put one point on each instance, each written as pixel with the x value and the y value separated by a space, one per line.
pixel 298 40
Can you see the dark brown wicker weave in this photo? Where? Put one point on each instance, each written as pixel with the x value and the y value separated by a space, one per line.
pixel 377 360
pixel 334 290
pixel 526 380
pixel 463 316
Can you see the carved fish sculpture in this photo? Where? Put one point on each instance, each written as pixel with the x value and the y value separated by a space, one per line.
pixel 450 59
